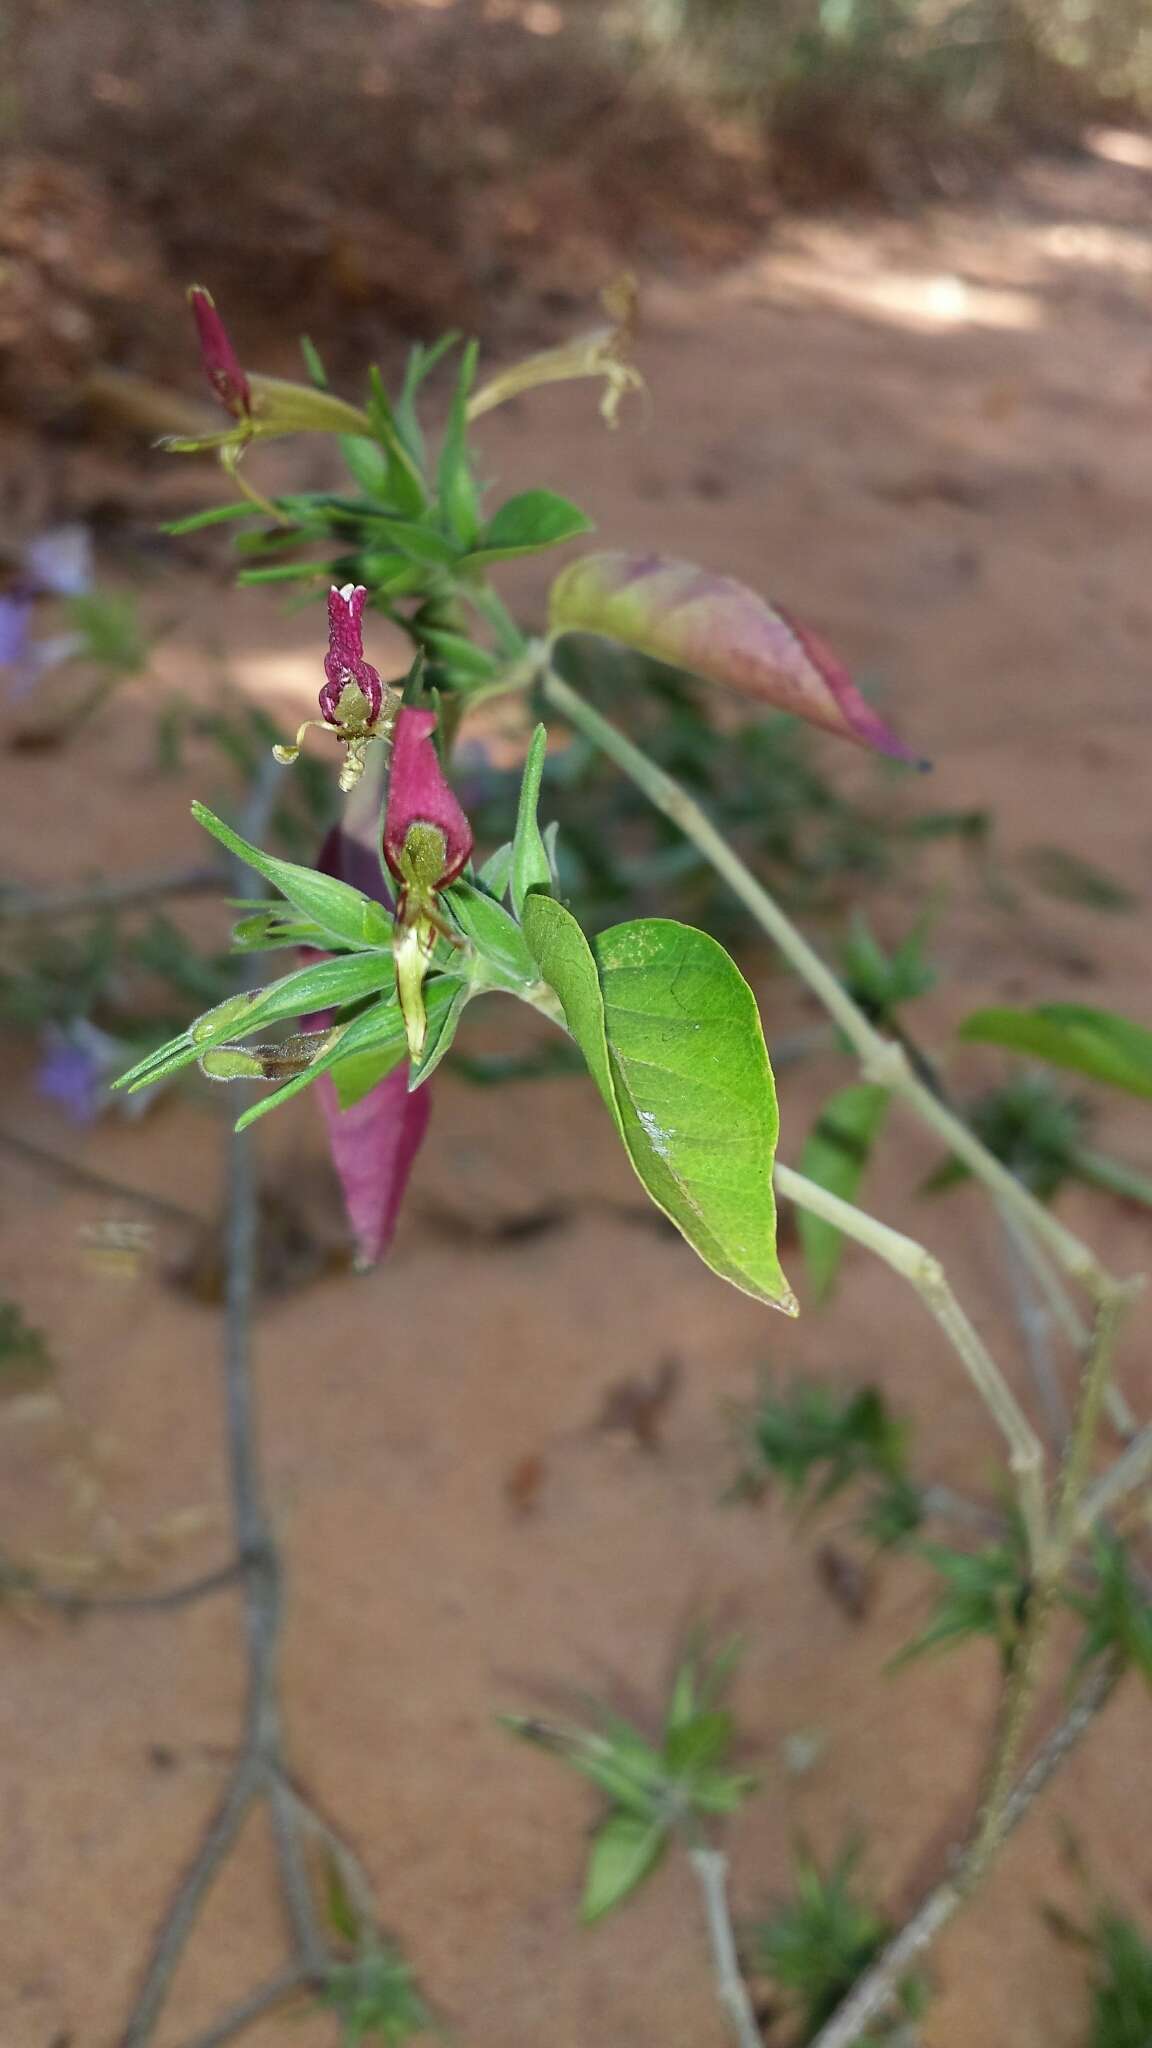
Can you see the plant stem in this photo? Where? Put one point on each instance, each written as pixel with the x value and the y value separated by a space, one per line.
pixel 1131 1470
pixel 1049 1569
pixel 882 1060
pixel 258 1773
pixel 927 1276
pixel 876 1989
pixel 79 1602
pixel 711 1868
pixel 252 2008
pixel 77 1176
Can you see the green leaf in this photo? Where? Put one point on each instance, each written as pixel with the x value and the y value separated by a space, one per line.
pixel 531 868
pixel 379 1027
pixel 1098 1043
pixel 1068 875
pixel 496 936
pixel 216 515
pixel 322 985
pixel 367 462
pixel 457 652
pixel 356 1074
pixel 459 500
pixel 496 872
pixel 413 537
pixel 405 485
pixel 625 1850
pixel 442 1024
pixel 340 911
pixel 525 524
pixel 671 1034
pixel 698 1743
pixel 422 360
pixel 835 1155
pixel 285 572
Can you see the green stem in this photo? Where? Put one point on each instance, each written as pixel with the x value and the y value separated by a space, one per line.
pixel 927 1276
pixel 1028 1659
pixel 881 1059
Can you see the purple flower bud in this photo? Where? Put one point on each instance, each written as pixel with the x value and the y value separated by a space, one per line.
pixel 221 363
pixel 344 663
pixel 427 838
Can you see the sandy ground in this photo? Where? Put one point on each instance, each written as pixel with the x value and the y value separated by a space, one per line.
pixel 933 442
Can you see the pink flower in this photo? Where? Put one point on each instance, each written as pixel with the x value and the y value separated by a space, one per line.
pixel 344 663
pixel 427 841
pixel 427 838
pixel 221 363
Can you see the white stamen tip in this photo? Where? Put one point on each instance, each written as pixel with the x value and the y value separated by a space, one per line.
pixel 348 592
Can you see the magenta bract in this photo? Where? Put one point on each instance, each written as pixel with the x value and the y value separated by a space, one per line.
pixel 374 1146
pixel 221 363
pixel 374 1143
pixel 418 794
pixel 721 630
pixel 344 662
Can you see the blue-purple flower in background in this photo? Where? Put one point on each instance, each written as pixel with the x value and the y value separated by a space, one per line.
pixel 57 563
pixel 78 1063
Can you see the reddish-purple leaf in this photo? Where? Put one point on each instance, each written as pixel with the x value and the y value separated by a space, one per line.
pixel 719 629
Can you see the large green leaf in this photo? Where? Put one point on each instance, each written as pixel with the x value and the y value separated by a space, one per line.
pixel 342 912
pixel 1086 1041
pixel 671 1034
pixel 835 1155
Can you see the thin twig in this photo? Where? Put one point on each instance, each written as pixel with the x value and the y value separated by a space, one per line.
pixel 878 1987
pixel 882 1060
pixel 258 1773
pixel 233 2022
pixel 711 1868
pixel 1132 1470
pixel 352 1873
pixel 74 1175
pixel 927 1276
pixel 79 1602
pixel 185 1905
pixel 1035 1326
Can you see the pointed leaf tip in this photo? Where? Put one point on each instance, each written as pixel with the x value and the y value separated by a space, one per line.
pixel 718 628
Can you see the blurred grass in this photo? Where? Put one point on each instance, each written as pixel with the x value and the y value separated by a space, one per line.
pixel 884 96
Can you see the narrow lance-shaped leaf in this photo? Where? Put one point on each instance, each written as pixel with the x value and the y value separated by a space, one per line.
pixel 531 868
pixel 1072 1035
pixel 342 912
pixel 329 984
pixel 835 1155
pixel 721 630
pixel 671 1034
